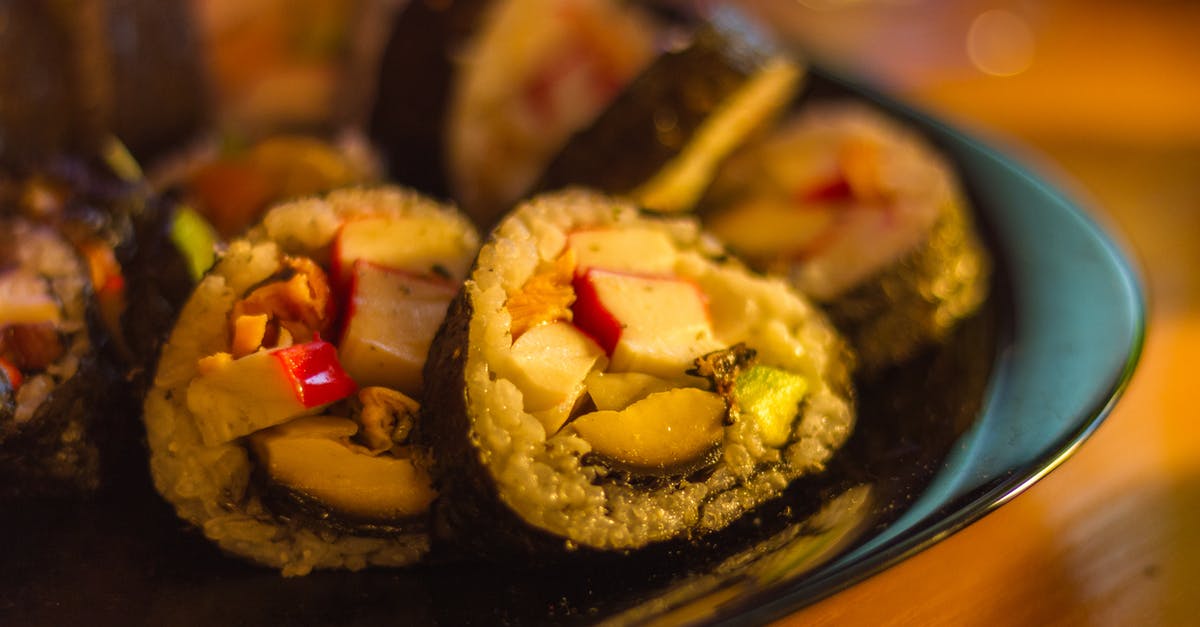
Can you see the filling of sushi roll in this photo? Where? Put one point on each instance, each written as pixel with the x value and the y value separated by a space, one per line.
pixel 835 194
pixel 86 206
pixel 612 344
pixel 129 239
pixel 73 367
pixel 298 362
pixel 863 216
pixel 627 384
pixel 538 70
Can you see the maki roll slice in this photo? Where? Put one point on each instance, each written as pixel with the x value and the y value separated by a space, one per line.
pixel 279 418
pixel 862 215
pixel 69 420
pixel 532 73
pixel 661 141
pixel 607 381
pixel 51 372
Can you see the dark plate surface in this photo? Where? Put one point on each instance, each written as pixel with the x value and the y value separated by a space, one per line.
pixel 939 444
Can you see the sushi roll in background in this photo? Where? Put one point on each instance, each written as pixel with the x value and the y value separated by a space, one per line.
pixel 660 142
pixel 50 373
pixel 66 423
pixel 144 250
pixel 607 380
pixel 532 73
pixel 863 216
pixel 279 418
pixel 231 182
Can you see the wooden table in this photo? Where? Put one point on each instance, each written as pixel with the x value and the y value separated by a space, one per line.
pixel 1108 103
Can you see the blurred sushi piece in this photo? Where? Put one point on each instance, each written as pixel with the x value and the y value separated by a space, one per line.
pixel 607 381
pixel 134 252
pixel 50 373
pixel 661 140
pixel 536 71
pixel 231 181
pixel 863 215
pixel 489 91
pixel 279 418
pixel 61 300
pixel 290 66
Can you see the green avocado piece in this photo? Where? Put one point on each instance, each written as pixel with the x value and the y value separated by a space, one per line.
pixel 771 397
pixel 196 240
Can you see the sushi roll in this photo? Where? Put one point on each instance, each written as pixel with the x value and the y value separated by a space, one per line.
pixel 279 418
pixel 69 425
pixel 863 216
pixel 608 381
pixel 51 375
pixel 532 73
pixel 661 141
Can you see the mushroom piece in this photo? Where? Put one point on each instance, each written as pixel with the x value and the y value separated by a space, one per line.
pixel 315 462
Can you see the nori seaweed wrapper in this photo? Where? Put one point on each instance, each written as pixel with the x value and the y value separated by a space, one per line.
pixel 408 117
pixel 919 300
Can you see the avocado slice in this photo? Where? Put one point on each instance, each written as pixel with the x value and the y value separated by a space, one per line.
pixel 195 239
pixel 768 395
pixel 771 397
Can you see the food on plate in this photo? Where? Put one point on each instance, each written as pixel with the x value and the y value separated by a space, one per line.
pixel 607 380
pixel 532 73
pixel 865 217
pixel 323 390
pixel 283 401
pixel 662 139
